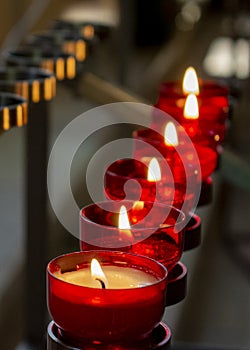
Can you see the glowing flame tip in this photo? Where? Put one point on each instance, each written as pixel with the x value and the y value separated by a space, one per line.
pixel 191 109
pixel 154 170
pixel 97 272
pixel 123 219
pixel 190 82
pixel 170 135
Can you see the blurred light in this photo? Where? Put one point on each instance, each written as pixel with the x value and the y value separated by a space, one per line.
pixel 191 108
pixel 242 25
pixel 189 15
pixel 170 135
pixel 190 82
pixel 191 12
pixel 219 60
pixel 154 171
pixel 182 24
pixel 242 58
pixel 92 12
pixel 227 58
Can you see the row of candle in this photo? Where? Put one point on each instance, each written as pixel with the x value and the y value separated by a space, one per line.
pixel 185 160
pixel 110 304
pixel 126 295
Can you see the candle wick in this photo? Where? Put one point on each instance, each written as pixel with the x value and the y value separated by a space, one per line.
pixel 102 283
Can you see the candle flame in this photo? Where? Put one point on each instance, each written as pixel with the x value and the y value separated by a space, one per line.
pixel 154 170
pixel 170 135
pixel 124 224
pixel 97 272
pixel 191 108
pixel 123 219
pixel 190 82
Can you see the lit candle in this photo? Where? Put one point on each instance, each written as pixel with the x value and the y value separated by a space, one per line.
pixel 191 108
pixel 153 179
pixel 171 192
pixel 154 183
pixel 132 304
pixel 106 277
pixel 211 95
pixel 153 229
pixel 124 225
pixel 204 123
pixel 191 115
pixel 190 82
pixel 185 154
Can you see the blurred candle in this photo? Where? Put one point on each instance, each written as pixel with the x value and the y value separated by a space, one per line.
pixel 190 82
pixel 207 92
pixel 146 228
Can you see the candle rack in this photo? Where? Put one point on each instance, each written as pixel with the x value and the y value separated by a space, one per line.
pixel 64 41
pixel 88 30
pixel 38 87
pixel 35 85
pixel 13 111
pixel 61 64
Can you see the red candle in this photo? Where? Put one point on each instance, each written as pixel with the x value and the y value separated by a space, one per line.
pixel 198 156
pixel 151 229
pixel 208 92
pixel 172 190
pixel 204 124
pixel 179 192
pixel 92 314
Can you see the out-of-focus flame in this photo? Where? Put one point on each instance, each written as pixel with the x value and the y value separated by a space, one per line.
pixel 190 82
pixel 154 170
pixel 191 108
pixel 170 135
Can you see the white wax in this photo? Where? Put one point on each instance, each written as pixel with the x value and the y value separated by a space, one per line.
pixel 118 277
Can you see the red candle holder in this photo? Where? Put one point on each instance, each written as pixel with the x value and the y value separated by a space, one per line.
pixel 120 172
pixel 184 154
pixel 209 129
pixel 157 229
pixel 87 315
pixel 207 157
pixel 211 93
